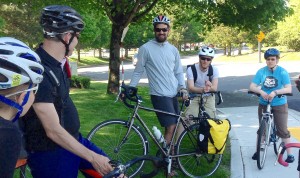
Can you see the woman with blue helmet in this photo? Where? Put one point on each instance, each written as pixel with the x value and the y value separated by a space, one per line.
pixel 20 74
pixel 270 81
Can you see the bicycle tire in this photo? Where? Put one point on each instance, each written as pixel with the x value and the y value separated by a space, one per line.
pixel 275 139
pixel 108 134
pixel 262 145
pixel 194 163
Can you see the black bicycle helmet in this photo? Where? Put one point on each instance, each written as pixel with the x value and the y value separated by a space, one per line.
pixel 272 52
pixel 57 19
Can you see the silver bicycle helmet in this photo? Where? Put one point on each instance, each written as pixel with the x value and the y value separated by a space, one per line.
pixel 207 51
pixel 161 19
pixel 18 64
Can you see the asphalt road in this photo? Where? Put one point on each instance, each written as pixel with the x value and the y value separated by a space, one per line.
pixel 234 80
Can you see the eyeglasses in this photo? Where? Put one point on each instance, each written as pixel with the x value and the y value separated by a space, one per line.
pixel 205 58
pixel 161 29
pixel 34 89
pixel 272 59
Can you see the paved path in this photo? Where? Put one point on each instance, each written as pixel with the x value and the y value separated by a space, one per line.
pixel 244 124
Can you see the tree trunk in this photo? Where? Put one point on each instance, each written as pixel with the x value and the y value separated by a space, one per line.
pixel 100 53
pixel 240 48
pixel 114 62
pixel 126 53
pixel 225 49
pixel 229 52
pixel 78 54
pixel 94 53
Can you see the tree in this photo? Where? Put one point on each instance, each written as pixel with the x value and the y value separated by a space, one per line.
pixel 121 13
pixel 288 30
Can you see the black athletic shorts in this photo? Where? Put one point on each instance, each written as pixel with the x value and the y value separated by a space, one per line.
pixel 166 104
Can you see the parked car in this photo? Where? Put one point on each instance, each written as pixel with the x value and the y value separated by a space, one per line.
pixel 134 59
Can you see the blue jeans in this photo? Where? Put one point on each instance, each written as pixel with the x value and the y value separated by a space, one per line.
pixel 60 163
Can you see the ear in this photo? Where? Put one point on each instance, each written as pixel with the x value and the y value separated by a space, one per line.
pixel 67 37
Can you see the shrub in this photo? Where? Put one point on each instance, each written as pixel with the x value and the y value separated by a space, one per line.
pixel 85 82
pixel 80 82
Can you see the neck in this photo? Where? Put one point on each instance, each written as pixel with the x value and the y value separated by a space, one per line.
pixel 54 49
pixel 203 69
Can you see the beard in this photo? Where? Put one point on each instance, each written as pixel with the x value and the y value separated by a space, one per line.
pixel 161 38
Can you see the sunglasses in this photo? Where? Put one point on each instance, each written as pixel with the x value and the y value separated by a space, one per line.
pixel 272 59
pixel 205 58
pixel 161 29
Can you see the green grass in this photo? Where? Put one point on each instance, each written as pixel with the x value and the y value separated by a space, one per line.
pixel 95 106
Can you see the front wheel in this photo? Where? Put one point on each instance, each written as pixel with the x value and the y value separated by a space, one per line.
pixel 262 145
pixel 275 139
pixel 192 162
pixel 109 136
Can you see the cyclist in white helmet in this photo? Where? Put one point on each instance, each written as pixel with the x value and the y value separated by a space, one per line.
pixel 203 82
pixel 20 74
pixel 162 63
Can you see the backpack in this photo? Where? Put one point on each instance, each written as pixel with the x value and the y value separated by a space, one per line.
pixel 212 135
pixel 209 74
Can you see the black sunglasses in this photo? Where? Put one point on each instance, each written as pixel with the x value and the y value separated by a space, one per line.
pixel 161 29
pixel 205 58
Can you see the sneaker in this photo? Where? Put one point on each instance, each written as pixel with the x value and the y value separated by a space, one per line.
pixel 254 157
pixel 290 159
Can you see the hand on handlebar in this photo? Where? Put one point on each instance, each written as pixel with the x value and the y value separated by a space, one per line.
pixel 184 93
pixel 101 164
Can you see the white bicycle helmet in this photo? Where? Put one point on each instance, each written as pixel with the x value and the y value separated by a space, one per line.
pixel 207 51
pixel 18 64
pixel 161 19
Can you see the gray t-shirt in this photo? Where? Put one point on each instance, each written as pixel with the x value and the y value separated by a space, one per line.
pixel 201 76
pixel 163 67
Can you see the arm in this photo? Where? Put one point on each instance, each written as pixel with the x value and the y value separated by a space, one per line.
pixel 47 114
pixel 179 71
pixel 139 68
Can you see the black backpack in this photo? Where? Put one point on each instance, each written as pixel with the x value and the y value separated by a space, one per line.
pixel 209 74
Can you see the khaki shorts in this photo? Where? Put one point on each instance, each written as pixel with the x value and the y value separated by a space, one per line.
pixel 209 105
pixel 280 114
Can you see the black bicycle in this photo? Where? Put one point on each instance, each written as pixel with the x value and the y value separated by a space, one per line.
pixel 122 140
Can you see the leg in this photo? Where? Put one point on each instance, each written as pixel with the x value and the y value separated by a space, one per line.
pixel 280 120
pixel 210 106
pixel 58 163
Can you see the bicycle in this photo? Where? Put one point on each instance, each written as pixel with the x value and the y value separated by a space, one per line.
pixel 266 133
pixel 281 151
pixel 123 140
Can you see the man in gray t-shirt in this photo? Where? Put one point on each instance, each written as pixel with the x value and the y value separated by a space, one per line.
pixel 162 63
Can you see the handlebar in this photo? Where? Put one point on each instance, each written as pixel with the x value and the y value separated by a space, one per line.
pixel 283 148
pixel 219 94
pixel 279 95
pixel 122 168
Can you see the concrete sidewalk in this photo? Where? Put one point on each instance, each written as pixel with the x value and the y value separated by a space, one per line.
pixel 244 124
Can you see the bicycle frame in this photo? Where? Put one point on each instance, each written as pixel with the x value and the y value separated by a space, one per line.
pixel 166 151
pixel 268 116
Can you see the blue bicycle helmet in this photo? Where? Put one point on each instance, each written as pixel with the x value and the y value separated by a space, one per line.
pixel 272 52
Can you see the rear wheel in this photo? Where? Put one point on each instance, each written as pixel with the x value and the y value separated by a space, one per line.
pixel 194 163
pixel 109 135
pixel 262 145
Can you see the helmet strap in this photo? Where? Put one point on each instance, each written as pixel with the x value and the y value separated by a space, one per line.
pixel 15 104
pixel 66 44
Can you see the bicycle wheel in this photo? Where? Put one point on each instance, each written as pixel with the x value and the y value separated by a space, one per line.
pixel 275 139
pixel 108 135
pixel 193 163
pixel 262 145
